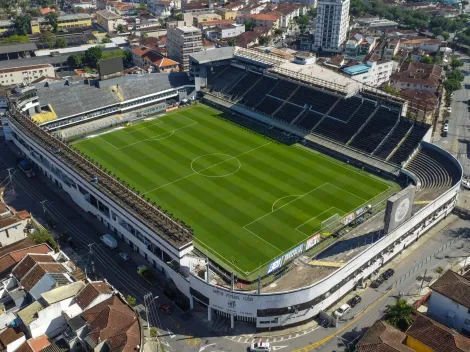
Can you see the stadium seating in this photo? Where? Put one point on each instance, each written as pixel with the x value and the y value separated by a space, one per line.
pixel 226 79
pixel 308 120
pixel 410 143
pixel 319 101
pixel 341 131
pixel 284 90
pixel 288 112
pixel 240 88
pixel 345 108
pixel 375 130
pixel 391 142
pixel 258 91
pixel 269 105
pixel 433 169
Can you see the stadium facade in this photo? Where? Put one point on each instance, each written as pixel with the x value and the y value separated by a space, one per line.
pixel 362 126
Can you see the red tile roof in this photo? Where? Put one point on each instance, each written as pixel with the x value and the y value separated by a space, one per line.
pixel 91 291
pixel 453 286
pixel 436 336
pixel 27 263
pixel 13 253
pixel 8 336
pixel 418 73
pixel 382 337
pixel 38 271
pixel 114 322
pixel 39 343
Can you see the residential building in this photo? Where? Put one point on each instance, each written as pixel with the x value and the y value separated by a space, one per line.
pixel 331 25
pixel 7 26
pixel 109 20
pixel 12 224
pixel 373 24
pixel 449 303
pixel 416 75
pixel 359 45
pixel 10 339
pixel 383 337
pixel 247 39
pixel 427 44
pixel 227 14
pixel 391 49
pixel 218 32
pixel 25 75
pixel 39 344
pixel 288 12
pixel 373 73
pixel 182 41
pixel 12 254
pixel 336 61
pixel 426 334
pixel 306 42
pixel 421 104
pixel 266 20
pixel 84 4
pixel 76 20
pixel 143 57
pixel 235 6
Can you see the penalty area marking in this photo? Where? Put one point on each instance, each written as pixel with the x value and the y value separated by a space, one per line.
pixel 221 162
pixel 339 212
pixel 292 195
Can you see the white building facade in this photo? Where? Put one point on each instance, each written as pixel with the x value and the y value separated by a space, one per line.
pixel 332 25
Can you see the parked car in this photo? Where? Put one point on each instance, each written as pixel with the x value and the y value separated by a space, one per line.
pixel 446 122
pixel 165 308
pixel 449 109
pixel 124 255
pixel 445 128
pixel 354 301
pixel 342 310
pixel 260 347
pixel 388 274
pixel 377 282
pixel 109 241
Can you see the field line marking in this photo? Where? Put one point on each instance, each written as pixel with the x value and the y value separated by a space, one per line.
pixel 282 206
pixel 197 173
pixel 342 189
pixel 297 228
pixel 292 195
pixel 262 239
pixel 350 168
pixel 158 122
pixel 111 144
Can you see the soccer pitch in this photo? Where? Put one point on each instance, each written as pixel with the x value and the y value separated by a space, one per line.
pixel 249 199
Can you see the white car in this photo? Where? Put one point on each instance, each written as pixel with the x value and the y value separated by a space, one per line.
pixel 342 310
pixel 124 255
pixel 445 128
pixel 260 347
pixel 466 184
pixel 449 109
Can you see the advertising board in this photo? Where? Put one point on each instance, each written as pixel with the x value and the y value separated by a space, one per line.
pixel 312 241
pixel 277 263
pixel 348 218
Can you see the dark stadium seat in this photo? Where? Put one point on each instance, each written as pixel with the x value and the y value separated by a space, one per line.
pixel 226 79
pixel 375 130
pixel 240 88
pixel 411 143
pixel 319 101
pixel 288 112
pixel 392 141
pixel 345 108
pixel 308 120
pixel 433 169
pixel 341 131
pixel 258 91
pixel 268 105
pixel 284 89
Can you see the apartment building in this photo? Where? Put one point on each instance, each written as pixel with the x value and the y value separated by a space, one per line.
pixel 332 25
pixel 25 74
pixel 109 20
pixel 182 41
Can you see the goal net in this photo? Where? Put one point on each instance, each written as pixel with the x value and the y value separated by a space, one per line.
pixel 330 223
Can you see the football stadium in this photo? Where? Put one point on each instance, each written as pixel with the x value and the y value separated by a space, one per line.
pixel 263 190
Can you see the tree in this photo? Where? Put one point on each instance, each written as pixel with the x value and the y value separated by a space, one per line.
pixel 278 32
pixel 455 63
pixel 153 332
pixel 249 25
pixel 60 43
pixel 427 60
pixel 391 90
pixel 51 18
pixel 264 40
pixel 231 42
pixel 131 301
pixel 312 12
pixel 437 60
pixel 179 17
pixel 451 85
pixel 456 75
pixel 105 40
pixel 93 55
pixel 42 236
pixel 22 24
pixel 48 38
pixel 75 60
pixel 399 314
pixel 446 35
pixel 303 22
pixel 121 28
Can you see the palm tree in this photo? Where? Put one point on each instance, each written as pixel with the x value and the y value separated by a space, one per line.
pixel 399 314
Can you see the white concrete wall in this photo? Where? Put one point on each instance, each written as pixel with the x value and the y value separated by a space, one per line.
pixel 440 306
pixel 50 320
pixel 45 284
pixel 13 233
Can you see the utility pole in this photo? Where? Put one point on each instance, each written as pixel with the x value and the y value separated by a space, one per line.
pixel 90 254
pixel 43 203
pixel 422 282
pixel 147 296
pixel 10 176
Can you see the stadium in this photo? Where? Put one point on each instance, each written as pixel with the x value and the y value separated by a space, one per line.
pixel 264 190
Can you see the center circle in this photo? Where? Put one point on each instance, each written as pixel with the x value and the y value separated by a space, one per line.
pixel 215 165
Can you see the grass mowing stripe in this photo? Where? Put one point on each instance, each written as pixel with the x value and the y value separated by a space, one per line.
pixel 218 207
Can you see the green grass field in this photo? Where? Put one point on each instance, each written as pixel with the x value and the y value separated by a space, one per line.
pixel 248 199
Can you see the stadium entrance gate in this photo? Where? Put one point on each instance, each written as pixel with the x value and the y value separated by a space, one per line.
pixel 236 317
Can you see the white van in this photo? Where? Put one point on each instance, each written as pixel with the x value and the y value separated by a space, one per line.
pixel 109 241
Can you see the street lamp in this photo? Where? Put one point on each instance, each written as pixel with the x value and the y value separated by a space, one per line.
pixel 147 296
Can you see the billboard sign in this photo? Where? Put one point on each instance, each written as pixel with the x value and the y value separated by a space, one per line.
pixel 312 241
pixel 276 264
pixel 398 208
pixel 348 218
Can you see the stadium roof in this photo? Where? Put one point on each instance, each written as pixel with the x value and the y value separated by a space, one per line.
pixel 67 100
pixel 224 53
